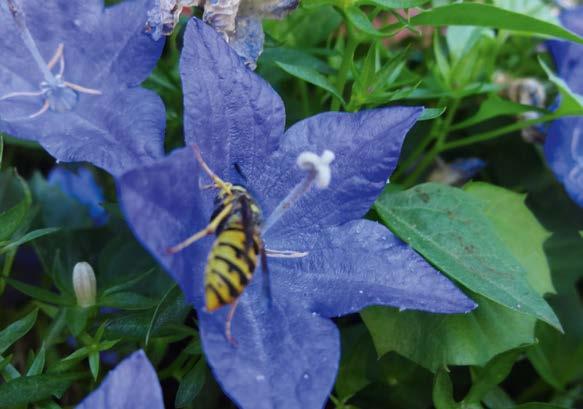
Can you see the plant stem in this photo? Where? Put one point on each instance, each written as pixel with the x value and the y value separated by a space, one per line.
pixel 485 136
pixel 347 57
pixel 8 261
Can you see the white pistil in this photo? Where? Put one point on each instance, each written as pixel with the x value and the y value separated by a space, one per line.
pixel 318 173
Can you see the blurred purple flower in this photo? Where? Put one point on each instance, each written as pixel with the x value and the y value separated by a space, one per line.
pixel 564 143
pixel 239 21
pixel 81 187
pixel 287 350
pixel 132 384
pixel 69 77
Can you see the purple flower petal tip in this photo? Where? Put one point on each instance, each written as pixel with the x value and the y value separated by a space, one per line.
pixel 132 384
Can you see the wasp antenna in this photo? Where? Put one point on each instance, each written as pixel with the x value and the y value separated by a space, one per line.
pixel 219 183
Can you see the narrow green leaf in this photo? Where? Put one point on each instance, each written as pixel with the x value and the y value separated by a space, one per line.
pixel 491 375
pixel 11 219
pixel 310 75
pixel 127 301
pixel 394 4
pixel 40 293
pixel 443 391
pixel 431 113
pixel 571 103
pixel 191 384
pixel 484 15
pixel 360 20
pixel 1 148
pixel 37 366
pixel 16 330
pixel 28 389
pixel 449 228
pixel 30 236
pixel 493 107
pixel 94 364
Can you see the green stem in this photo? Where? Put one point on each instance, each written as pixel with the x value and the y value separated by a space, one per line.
pixel 485 136
pixel 345 65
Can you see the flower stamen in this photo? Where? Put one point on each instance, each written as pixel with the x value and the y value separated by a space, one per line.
pixel 285 253
pixel 318 173
pixel 59 95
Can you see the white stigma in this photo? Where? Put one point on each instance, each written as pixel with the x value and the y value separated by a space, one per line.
pixel 319 164
pixel 318 173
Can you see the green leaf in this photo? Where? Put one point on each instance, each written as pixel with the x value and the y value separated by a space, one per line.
pixel 431 113
pixel 443 391
pixel 537 405
pixel 483 15
pixel 40 293
pixel 518 229
pixel 77 319
pixel 360 20
pixel 1 148
pixel 571 103
pixel 394 4
pixel 493 107
pixel 37 366
pixel 449 228
pixel 491 375
pixel 435 340
pixel 192 383
pixel 310 75
pixel 30 236
pixel 28 389
pixel 16 330
pixel 12 219
pixel 94 364
pixel 127 301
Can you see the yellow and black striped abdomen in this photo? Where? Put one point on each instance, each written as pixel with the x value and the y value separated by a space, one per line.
pixel 229 266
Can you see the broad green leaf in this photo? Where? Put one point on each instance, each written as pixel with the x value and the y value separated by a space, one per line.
pixel 192 383
pixel 493 107
pixel 360 20
pixel 484 15
pixel 518 229
pixel 435 340
pixel 28 389
pixel 449 228
pixel 394 4
pixel 571 103
pixel 311 76
pixel 16 330
pixel 492 374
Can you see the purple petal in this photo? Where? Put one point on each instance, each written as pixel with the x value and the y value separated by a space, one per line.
pixel 105 50
pixel 360 264
pixel 231 113
pixel 116 131
pixel 132 384
pixel 568 56
pixel 367 145
pixel 564 154
pixel 162 204
pixel 285 357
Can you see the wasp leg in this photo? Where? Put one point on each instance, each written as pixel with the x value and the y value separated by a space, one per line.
pixel 219 183
pixel 266 276
pixel 208 230
pixel 230 316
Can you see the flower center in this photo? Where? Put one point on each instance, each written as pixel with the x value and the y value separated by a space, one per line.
pixel 318 174
pixel 58 94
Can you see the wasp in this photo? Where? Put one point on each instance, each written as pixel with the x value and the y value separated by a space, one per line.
pixel 231 263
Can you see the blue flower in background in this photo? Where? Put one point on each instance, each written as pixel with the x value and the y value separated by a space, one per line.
pixel 69 77
pixel 132 384
pixel 82 187
pixel 239 21
pixel 288 349
pixel 564 143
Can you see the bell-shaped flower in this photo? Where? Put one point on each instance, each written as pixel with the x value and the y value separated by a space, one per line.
pixel 314 183
pixel 239 21
pixel 132 384
pixel 69 79
pixel 564 143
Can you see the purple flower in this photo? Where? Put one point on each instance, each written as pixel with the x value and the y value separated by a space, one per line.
pixel 287 348
pixel 81 187
pixel 239 21
pixel 132 384
pixel 564 143
pixel 69 77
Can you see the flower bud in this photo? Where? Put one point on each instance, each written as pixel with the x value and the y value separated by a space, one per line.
pixel 84 284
